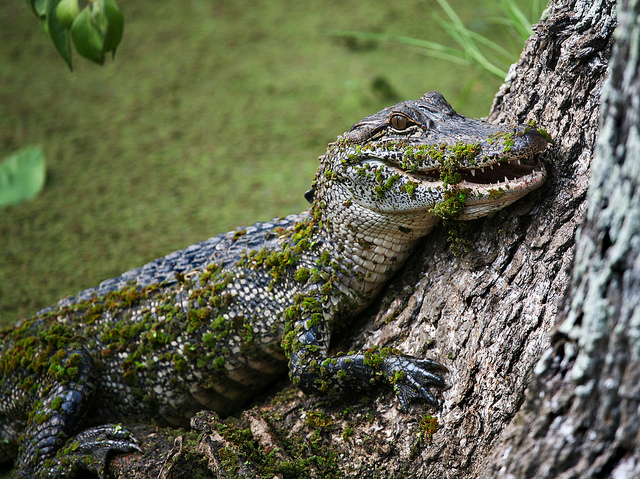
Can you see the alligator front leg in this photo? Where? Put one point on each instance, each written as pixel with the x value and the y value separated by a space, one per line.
pixel 46 450
pixel 316 373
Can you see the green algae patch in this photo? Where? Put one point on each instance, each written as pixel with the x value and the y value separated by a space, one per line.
pixel 497 193
pixel 427 427
pixel 507 137
pixel 294 242
pixel 458 154
pixel 47 346
pixel 531 125
pixel 452 204
pixel 450 208
pixel 410 188
pixel 309 453
pixel 307 307
pixel 319 420
pixel 458 244
pixel 465 152
pixel 385 183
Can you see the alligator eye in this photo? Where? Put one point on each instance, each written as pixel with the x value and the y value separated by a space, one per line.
pixel 399 122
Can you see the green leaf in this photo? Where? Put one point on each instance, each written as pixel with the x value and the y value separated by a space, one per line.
pixel 67 11
pixel 116 26
pixel 22 175
pixel 39 7
pixel 60 37
pixel 86 37
pixel 99 17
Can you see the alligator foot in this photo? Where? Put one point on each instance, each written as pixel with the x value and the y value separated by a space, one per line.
pixel 411 378
pixel 88 452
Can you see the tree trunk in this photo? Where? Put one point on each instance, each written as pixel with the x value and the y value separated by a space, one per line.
pixel 485 315
pixel 582 409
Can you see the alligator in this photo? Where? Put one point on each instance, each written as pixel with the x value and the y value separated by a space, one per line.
pixel 210 326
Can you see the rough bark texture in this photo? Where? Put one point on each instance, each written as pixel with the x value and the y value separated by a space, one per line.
pixel 580 419
pixel 485 315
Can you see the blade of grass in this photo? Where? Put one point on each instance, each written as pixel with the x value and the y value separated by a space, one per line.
pixel 461 34
pixel 519 20
pixel 432 48
pixel 463 38
pixel 477 37
pixel 468 40
pixel 536 10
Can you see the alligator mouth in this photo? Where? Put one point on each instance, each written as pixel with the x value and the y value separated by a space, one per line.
pixel 514 170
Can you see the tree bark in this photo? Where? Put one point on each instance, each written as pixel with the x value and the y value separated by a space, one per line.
pixel 485 315
pixel 582 409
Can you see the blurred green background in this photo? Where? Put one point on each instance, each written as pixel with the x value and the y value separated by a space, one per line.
pixel 212 116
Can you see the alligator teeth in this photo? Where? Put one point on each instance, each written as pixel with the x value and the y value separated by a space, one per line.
pixel 473 172
pixel 491 166
pixel 519 162
pixel 506 180
pixel 482 169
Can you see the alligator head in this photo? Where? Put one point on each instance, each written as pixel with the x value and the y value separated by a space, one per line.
pixel 418 155
pixel 396 173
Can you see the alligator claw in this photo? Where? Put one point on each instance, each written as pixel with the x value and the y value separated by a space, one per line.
pixel 412 378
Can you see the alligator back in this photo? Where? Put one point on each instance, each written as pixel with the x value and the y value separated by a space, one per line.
pixel 196 329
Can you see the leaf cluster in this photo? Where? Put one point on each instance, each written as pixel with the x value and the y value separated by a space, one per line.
pixel 94 30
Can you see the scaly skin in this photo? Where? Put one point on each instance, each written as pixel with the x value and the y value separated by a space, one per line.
pixel 212 325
